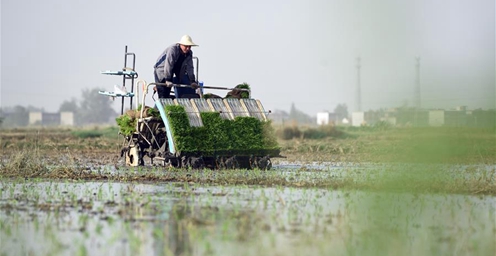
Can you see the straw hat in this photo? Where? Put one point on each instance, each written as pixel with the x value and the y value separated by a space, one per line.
pixel 186 40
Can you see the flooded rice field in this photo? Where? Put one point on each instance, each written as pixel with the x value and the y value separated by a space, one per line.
pixel 194 217
pixel 394 192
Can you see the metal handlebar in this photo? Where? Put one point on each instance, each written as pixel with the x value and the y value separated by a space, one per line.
pixel 145 87
pixel 205 86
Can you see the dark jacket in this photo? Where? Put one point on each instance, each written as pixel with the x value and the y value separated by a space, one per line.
pixel 167 60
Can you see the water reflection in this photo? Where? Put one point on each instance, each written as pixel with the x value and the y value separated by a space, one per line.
pixel 95 218
pixel 172 236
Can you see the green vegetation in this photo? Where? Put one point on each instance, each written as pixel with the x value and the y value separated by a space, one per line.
pixel 127 124
pixel 109 132
pixel 320 132
pixel 239 94
pixel 445 145
pixel 452 146
pixel 434 145
pixel 127 121
pixel 461 160
pixel 475 180
pixel 87 133
pixel 217 136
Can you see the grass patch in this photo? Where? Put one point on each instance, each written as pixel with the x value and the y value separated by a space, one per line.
pixel 108 132
pixel 83 134
pixel 437 145
pixel 433 145
pixel 391 178
pixel 24 164
pixel 313 133
pixel 415 160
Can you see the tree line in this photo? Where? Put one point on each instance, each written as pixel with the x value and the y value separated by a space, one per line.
pixel 91 108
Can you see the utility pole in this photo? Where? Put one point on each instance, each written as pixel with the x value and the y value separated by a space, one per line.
pixel 417 84
pixel 358 89
pixel 418 105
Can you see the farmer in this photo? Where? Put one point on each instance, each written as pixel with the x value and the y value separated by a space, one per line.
pixel 175 66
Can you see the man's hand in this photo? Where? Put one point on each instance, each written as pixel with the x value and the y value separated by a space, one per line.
pixel 168 83
pixel 194 85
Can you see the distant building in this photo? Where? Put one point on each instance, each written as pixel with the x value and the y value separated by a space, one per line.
pixel 389 119
pixel 323 118
pixel 51 119
pixel 357 118
pixel 35 118
pixel 436 117
pixel 67 118
pixel 326 118
pixel 452 118
pixel 481 118
pixel 458 117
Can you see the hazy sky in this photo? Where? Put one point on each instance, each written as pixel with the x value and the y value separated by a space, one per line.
pixel 301 52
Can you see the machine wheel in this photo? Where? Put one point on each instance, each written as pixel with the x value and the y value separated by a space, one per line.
pixel 134 156
pixel 262 163
pixel 172 161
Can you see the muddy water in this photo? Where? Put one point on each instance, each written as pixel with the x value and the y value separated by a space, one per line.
pixel 103 218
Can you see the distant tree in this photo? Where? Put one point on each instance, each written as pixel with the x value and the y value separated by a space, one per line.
pixel 17 117
pixel 341 111
pixel 69 106
pixel 278 116
pixel 95 108
pixel 30 108
pixel 299 116
pixel 293 112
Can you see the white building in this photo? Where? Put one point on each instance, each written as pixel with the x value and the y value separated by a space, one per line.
pixel 67 118
pixel 51 119
pixel 357 118
pixel 35 118
pixel 436 117
pixel 323 118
